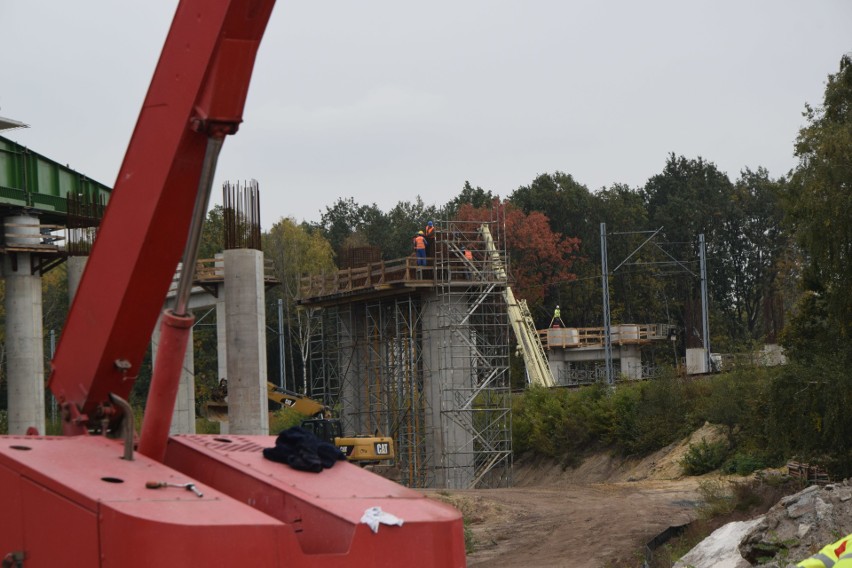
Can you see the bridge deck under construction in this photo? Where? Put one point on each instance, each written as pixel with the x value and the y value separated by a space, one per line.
pixel 419 353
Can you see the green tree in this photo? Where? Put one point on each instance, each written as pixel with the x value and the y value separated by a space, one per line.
pixel 821 196
pixel 296 251
pixel 568 205
pixel 212 240
pixel 692 197
pixel 810 401
pixel 394 232
pixel 348 224
pixel 476 197
pixel 343 219
pixel 636 288
pixel 753 244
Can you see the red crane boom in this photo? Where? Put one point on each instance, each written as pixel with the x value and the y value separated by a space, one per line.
pixel 82 500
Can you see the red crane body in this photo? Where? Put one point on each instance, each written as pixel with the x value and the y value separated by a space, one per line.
pixel 75 500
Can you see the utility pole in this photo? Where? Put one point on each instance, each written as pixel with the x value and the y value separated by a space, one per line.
pixel 281 376
pixel 705 323
pixel 610 379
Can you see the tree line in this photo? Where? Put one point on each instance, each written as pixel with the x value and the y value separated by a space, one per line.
pixel 779 250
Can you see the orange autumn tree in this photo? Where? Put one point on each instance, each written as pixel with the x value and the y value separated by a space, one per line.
pixel 538 256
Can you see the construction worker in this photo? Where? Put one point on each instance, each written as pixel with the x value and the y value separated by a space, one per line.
pixel 837 555
pixel 557 316
pixel 420 248
pixel 430 238
pixel 469 258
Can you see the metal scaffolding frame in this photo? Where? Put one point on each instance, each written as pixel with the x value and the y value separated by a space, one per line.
pixel 428 365
pixel 472 309
pixel 330 356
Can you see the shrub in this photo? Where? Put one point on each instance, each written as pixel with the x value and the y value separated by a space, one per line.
pixel 282 419
pixel 204 426
pixel 718 498
pixel 744 464
pixel 650 415
pixel 704 457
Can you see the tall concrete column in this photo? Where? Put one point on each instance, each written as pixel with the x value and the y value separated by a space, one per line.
pixel 76 265
pixel 221 324
pixel 631 361
pixel 24 329
pixel 222 345
pixel 183 416
pixel 246 334
pixel 449 428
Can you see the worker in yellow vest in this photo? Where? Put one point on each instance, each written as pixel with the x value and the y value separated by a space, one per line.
pixel 557 317
pixel 835 555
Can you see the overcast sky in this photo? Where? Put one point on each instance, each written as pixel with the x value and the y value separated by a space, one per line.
pixel 385 100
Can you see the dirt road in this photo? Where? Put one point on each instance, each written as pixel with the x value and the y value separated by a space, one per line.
pixel 587 525
pixel 599 515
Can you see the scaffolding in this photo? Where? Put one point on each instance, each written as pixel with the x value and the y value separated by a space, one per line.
pixel 474 362
pixel 422 357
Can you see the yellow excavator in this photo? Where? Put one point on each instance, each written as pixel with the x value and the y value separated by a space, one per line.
pixel 363 450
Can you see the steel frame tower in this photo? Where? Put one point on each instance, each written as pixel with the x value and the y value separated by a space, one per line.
pixel 474 363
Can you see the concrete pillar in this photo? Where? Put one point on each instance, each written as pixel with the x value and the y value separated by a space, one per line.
pixel 183 416
pixel 353 375
pixel 246 335
pixel 449 429
pixel 696 361
pixel 24 333
pixel 221 333
pixel 221 344
pixel 631 362
pixel 76 265
pixel 221 325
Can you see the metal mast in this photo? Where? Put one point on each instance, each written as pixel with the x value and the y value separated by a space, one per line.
pixel 705 323
pixel 610 379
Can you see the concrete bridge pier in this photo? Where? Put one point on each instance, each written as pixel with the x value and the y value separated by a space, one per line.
pixel 76 265
pixel 245 316
pixel 24 329
pixel 183 415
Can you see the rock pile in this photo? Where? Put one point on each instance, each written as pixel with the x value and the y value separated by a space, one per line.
pixel 799 525
pixel 793 529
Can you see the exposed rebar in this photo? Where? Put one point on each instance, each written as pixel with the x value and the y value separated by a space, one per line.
pixel 85 212
pixel 242 215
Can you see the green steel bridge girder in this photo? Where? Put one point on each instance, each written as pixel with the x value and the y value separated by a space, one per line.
pixel 31 181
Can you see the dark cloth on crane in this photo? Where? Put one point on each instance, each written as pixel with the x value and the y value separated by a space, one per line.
pixel 302 450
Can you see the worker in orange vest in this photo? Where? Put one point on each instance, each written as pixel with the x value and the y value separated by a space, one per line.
pixel 429 233
pixel 420 248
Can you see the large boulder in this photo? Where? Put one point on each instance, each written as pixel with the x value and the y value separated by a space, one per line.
pixel 799 525
pixel 719 550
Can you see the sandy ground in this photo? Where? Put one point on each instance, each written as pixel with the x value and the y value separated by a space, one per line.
pixel 598 515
